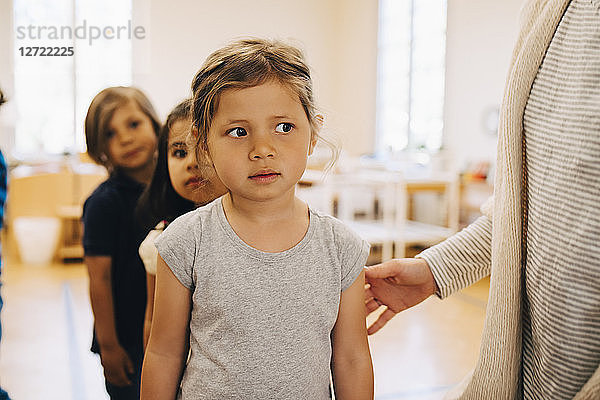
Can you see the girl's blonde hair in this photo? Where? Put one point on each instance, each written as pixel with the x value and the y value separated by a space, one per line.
pixel 100 113
pixel 247 63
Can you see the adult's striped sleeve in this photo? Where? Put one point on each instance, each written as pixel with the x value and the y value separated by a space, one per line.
pixel 462 259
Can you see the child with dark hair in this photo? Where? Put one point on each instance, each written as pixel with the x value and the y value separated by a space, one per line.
pixel 180 184
pixel 121 131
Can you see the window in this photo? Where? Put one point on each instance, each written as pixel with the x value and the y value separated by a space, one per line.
pixel 410 83
pixel 52 93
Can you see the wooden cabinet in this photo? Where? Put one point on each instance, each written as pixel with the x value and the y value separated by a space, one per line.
pixel 69 246
pixel 56 191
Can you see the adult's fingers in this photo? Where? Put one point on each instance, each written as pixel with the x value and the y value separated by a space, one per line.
pixel 369 294
pixel 371 306
pixel 379 271
pixel 381 321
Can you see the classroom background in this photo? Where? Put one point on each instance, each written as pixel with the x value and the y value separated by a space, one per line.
pixel 410 91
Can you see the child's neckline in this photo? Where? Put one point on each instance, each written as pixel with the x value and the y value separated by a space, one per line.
pixel 125 180
pixel 140 176
pixel 254 252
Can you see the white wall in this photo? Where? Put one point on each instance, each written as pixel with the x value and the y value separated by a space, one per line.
pixel 480 38
pixel 339 38
pixel 340 41
pixel 7 112
pixel 355 74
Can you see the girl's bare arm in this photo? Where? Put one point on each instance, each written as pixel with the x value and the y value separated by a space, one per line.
pixel 169 337
pixel 115 361
pixel 150 285
pixel 352 366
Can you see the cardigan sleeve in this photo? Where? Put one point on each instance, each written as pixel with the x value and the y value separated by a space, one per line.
pixel 462 259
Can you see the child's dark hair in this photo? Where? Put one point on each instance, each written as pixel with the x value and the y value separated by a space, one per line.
pixel 247 63
pixel 2 99
pixel 160 201
pixel 100 113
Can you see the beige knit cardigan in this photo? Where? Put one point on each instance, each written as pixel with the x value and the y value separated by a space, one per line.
pixel 497 372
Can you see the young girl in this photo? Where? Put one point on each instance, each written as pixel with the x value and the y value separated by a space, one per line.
pixel 121 129
pixel 266 292
pixel 179 184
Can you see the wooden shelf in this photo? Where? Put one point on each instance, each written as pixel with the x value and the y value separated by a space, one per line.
pixel 72 231
pixel 73 251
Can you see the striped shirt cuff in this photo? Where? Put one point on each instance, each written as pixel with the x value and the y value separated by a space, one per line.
pixel 462 259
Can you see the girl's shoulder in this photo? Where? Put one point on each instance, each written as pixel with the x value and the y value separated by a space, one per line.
pixel 331 230
pixel 104 196
pixel 350 249
pixel 116 187
pixel 330 224
pixel 195 218
pixel 181 242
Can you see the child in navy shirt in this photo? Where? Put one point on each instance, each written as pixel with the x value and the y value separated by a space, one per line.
pixel 121 131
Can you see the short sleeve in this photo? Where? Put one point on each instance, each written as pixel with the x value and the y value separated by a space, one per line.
pixel 148 251
pixel 100 220
pixel 177 246
pixel 353 253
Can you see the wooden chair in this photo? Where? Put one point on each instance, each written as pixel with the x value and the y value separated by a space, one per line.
pixel 374 203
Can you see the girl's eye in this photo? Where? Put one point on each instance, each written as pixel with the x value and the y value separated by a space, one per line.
pixel 180 153
pixel 284 127
pixel 110 134
pixel 134 124
pixel 237 132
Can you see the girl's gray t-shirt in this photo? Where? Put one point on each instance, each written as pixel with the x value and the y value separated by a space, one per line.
pixel 260 322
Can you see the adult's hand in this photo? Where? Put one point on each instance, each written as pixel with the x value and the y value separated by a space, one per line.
pixel 396 284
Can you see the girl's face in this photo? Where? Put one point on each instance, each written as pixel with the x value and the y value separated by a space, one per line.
pixel 259 141
pixel 194 182
pixel 131 138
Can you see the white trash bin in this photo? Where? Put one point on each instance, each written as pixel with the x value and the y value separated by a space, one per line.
pixel 37 238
